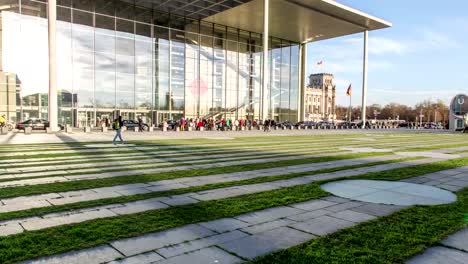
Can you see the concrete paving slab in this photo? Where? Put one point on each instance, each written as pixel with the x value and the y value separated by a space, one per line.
pixel 224 225
pixel 353 216
pixel 440 255
pixel 185 247
pixel 459 240
pixel 268 215
pixel 313 205
pixel 266 242
pixel 95 255
pixel 322 225
pixel 211 255
pixel 146 258
pixel 148 242
pixel 263 227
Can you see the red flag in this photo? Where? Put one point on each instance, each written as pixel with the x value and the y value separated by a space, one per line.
pixel 348 92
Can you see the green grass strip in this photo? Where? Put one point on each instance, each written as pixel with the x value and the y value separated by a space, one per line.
pixel 106 182
pixel 387 240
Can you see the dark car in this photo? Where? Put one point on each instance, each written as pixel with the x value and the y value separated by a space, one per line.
pixel 130 125
pixel 325 124
pixel 286 124
pixel 35 124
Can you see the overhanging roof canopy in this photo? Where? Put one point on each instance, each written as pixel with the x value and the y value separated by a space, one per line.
pixel 299 20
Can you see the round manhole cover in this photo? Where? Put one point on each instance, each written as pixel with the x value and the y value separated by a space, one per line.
pixel 387 192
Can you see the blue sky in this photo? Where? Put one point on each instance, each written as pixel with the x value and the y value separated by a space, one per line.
pixel 423 56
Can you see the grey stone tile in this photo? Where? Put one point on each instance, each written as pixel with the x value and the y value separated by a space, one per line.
pixel 459 240
pixel 292 182
pixel 161 188
pixel 313 205
pixel 145 258
pixel 353 216
pixel 440 255
pixel 322 225
pixel 185 247
pixel 457 183
pixel 139 206
pixel 452 188
pixel 343 206
pixel 260 228
pixel 309 215
pixel 148 242
pixel 211 255
pixel 426 191
pixel 179 200
pixel 10 229
pixel 377 209
pixel 36 224
pixel 335 199
pixel 24 205
pixel 95 255
pixel 225 224
pixel 266 242
pixel 268 215
pixel 389 197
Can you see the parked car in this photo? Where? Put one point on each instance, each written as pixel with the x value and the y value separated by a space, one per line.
pixel 325 124
pixel 130 125
pixel 35 124
pixel 286 124
pixel 347 124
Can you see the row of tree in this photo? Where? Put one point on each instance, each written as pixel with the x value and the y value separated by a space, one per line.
pixel 432 111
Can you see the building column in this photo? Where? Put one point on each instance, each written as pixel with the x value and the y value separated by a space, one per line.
pixel 302 81
pixel 266 13
pixel 364 78
pixel 53 108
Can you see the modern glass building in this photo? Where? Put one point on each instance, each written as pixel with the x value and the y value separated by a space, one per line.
pixel 162 59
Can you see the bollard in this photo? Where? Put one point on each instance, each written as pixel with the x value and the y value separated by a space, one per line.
pixel 202 128
pixel 27 130
pixel 124 128
pixel 164 129
pixel 189 129
pixel 284 128
pixel 291 127
pixel 4 130
pixel 87 129
pixel 49 130
pixel 243 128
pixel 136 129
pixel 298 127
pixel 151 129
pixel 260 127
pixel 306 127
pixel 68 129
pixel 177 129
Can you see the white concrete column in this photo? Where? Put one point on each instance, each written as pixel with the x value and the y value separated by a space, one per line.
pixel 302 81
pixel 266 13
pixel 53 108
pixel 364 78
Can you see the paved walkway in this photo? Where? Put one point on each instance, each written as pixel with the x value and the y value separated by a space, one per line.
pixel 248 235
pixel 452 250
pixel 229 240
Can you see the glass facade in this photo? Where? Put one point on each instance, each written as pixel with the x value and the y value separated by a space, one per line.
pixel 120 58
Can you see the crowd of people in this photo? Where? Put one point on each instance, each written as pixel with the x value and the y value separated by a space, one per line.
pixel 223 124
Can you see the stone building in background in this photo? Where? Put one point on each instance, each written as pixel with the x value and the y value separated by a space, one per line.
pixel 320 98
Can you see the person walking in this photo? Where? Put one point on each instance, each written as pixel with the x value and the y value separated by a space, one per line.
pixel 2 121
pixel 140 125
pixel 118 124
pixel 182 124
